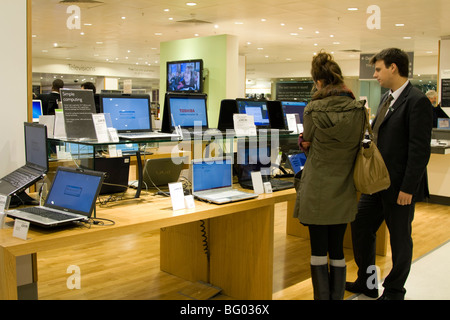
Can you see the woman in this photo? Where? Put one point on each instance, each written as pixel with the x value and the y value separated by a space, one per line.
pixel 326 196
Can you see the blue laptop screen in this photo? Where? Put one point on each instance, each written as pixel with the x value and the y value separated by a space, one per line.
pixel 293 107
pixel 188 111
pixel 128 113
pixel 74 191
pixel 258 109
pixel 211 175
pixel 297 161
pixel 37 109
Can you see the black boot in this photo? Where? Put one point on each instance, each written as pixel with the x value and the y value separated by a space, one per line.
pixel 320 281
pixel 337 282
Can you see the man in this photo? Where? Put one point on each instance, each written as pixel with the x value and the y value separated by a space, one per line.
pixel 403 138
pixel 50 100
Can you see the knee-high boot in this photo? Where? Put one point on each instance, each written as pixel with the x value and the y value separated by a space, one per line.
pixel 337 282
pixel 320 281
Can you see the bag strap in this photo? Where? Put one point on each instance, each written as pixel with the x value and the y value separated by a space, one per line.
pixel 367 126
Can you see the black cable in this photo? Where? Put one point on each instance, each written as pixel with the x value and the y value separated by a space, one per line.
pixel 204 237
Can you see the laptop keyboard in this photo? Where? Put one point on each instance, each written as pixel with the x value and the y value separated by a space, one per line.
pixel 227 194
pixel 42 212
pixel 19 178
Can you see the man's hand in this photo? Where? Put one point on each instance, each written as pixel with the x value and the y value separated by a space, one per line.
pixel 404 199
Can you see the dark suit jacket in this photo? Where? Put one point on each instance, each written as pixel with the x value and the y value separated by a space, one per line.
pixel 404 140
pixel 49 102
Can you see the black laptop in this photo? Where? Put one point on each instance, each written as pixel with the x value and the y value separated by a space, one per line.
pixel 71 198
pixel 257 159
pixel 36 165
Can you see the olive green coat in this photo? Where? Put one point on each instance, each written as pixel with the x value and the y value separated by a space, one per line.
pixel 326 193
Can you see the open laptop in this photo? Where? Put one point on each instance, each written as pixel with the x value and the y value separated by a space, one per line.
pixel 162 171
pixel 297 161
pixel 131 116
pixel 71 198
pixel 116 171
pixel 212 181
pixel 36 165
pixel 37 110
pixel 251 159
pixel 188 111
pixel 258 109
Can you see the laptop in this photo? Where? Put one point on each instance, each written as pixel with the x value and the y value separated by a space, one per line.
pixel 161 172
pixel 188 111
pixel 212 181
pixel 297 161
pixel 131 116
pixel 71 198
pixel 36 165
pixel 258 159
pixel 37 110
pixel 116 171
pixel 258 109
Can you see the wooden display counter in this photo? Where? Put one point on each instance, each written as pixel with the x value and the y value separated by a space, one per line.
pixel 240 241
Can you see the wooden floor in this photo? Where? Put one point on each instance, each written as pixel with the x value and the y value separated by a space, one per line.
pixel 127 267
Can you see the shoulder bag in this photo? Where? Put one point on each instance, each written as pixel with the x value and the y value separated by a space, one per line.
pixel 370 173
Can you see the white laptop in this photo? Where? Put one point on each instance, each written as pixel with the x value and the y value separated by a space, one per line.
pixel 212 181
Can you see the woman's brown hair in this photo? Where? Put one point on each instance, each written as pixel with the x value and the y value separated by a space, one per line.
pixel 324 68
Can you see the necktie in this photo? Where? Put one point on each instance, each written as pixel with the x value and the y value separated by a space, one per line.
pixel 380 117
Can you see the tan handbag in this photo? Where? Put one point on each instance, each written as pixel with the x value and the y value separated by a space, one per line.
pixel 370 173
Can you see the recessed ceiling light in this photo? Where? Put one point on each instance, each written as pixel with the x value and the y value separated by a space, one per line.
pixel 216 26
pixel 407 38
pixel 399 24
pixel 352 9
pixel 317 32
pixel 294 34
pixel 263 20
pixel 158 34
pixel 238 22
pixel 331 35
pixel 336 42
pixel 260 48
pixel 282 24
pixel 300 28
pixel 123 18
pixel 191 4
pixel 166 10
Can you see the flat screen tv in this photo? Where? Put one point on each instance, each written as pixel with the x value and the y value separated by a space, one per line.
pixel 185 76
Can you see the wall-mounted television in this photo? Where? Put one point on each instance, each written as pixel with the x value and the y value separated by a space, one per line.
pixel 185 76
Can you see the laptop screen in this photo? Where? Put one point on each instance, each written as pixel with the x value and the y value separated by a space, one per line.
pixel 129 113
pixel 74 190
pixel 293 107
pixel 251 159
pixel 37 110
pixel 297 161
pixel 211 174
pixel 36 146
pixel 256 108
pixel 188 111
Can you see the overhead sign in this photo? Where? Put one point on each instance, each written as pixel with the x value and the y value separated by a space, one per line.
pixel 366 70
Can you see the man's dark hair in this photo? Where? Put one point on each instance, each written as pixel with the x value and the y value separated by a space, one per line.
pixel 88 85
pixel 393 55
pixel 57 84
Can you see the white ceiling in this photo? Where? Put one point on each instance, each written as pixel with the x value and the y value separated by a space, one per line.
pixel 268 30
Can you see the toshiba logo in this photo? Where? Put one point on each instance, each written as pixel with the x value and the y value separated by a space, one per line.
pixel 187 110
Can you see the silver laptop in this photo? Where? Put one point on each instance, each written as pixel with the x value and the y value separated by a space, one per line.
pixel 36 165
pixel 71 198
pixel 212 181
pixel 161 172
pixel 131 116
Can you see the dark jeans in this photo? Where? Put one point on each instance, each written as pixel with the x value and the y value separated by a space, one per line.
pixel 327 239
pixel 372 210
